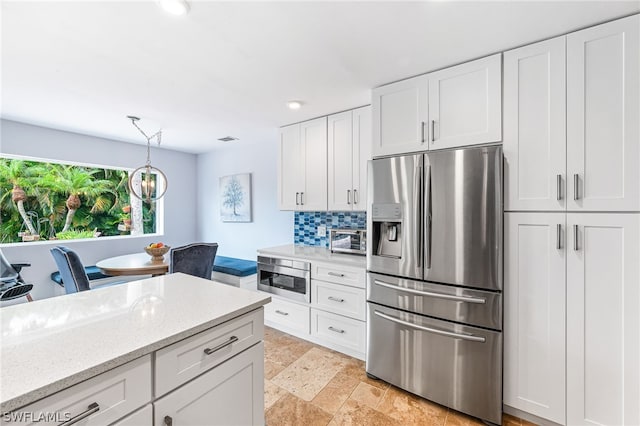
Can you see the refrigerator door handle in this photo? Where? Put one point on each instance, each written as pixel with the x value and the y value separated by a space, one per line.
pixel 427 219
pixel 418 199
pixel 470 337
pixel 466 299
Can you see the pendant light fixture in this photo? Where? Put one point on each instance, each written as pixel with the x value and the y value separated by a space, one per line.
pixel 151 176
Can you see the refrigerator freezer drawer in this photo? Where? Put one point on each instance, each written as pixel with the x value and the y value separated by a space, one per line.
pixel 459 304
pixel 454 365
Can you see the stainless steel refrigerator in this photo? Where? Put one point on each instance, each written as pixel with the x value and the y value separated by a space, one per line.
pixel 434 280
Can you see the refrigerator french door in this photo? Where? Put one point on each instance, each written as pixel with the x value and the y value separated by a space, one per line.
pixel 434 277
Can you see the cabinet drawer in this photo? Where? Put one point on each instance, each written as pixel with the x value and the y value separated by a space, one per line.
pixel 188 358
pixel 339 330
pixel 287 314
pixel 340 299
pixel 229 394
pixel 339 274
pixel 116 393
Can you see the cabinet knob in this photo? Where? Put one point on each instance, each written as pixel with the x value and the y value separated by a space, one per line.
pixel 168 421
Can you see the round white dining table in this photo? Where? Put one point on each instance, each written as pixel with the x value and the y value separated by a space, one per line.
pixel 133 264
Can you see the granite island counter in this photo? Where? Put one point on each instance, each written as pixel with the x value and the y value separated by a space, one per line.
pixel 129 346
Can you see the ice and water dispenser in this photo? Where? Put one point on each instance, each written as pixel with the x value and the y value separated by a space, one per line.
pixel 387 230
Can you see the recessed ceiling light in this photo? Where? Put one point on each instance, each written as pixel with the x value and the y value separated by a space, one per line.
pixel 228 139
pixel 294 104
pixel 175 7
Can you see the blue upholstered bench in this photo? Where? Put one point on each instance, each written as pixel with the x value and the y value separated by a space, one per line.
pixel 93 272
pixel 236 272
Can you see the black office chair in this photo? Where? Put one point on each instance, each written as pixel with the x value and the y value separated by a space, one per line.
pixel 193 259
pixel 12 285
pixel 71 269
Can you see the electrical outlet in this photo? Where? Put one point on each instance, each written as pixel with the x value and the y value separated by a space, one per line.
pixel 322 231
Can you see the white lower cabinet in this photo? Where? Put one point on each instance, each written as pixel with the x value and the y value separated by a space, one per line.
pixel 140 417
pixel 287 316
pixel 595 261
pixel 229 394
pixel 339 332
pixel 534 317
pixel 101 400
pixel 603 319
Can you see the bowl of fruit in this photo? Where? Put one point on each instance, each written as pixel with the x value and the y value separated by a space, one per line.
pixel 157 251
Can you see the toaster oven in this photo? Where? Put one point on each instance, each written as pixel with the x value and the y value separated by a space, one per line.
pixel 352 241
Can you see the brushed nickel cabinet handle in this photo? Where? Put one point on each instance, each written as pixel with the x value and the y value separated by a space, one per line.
pixel 94 407
pixel 335 299
pixel 575 237
pixel 282 313
pixel 348 196
pixel 297 194
pixel 433 130
pixel 422 124
pixel 337 330
pixel 302 198
pixel 231 340
pixel 559 236
pixel 355 196
pixel 575 186
pixel 335 274
pixel 559 187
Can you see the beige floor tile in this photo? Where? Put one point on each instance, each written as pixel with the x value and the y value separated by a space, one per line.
pixel 292 411
pixel 411 409
pixel 285 349
pixel 272 393
pixel 455 418
pixel 367 394
pixel 354 413
pixel 309 374
pixel 337 391
pixel 271 369
pixel 356 369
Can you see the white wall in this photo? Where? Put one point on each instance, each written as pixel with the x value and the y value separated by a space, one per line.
pixel 180 199
pixel 270 227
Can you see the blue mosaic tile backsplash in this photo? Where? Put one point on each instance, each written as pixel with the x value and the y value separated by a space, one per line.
pixel 306 224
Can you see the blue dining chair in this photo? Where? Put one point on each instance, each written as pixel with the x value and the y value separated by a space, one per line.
pixel 71 269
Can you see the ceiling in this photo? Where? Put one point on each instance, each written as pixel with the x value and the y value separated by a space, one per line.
pixel 228 68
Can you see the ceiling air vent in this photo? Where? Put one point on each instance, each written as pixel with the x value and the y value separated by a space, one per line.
pixel 228 139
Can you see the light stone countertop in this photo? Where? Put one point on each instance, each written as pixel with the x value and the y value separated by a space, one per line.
pixel 318 254
pixel 54 343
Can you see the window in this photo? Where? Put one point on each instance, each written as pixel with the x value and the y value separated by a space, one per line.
pixel 48 201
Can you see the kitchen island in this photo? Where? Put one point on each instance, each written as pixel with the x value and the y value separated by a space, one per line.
pixel 125 348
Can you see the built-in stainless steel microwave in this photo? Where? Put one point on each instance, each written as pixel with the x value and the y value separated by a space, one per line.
pixel 352 241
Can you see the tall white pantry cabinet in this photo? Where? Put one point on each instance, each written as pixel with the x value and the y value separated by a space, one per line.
pixel 572 226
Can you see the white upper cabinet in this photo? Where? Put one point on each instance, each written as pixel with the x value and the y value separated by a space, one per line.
pixel 465 104
pixel 400 116
pixel 349 148
pixel 603 319
pixel 534 315
pixel 534 126
pixel 302 169
pixel 313 137
pixel 603 106
pixel 289 168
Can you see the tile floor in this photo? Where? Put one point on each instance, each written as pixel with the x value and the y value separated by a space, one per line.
pixel 306 384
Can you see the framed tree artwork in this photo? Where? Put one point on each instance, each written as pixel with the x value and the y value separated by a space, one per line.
pixel 235 198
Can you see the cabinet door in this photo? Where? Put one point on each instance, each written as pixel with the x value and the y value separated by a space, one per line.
pixel 341 160
pixel 230 394
pixel 534 126
pixel 603 106
pixel 361 155
pixel 465 104
pixel 603 321
pixel 399 117
pixel 313 136
pixel 142 417
pixel 534 317
pixel 289 168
